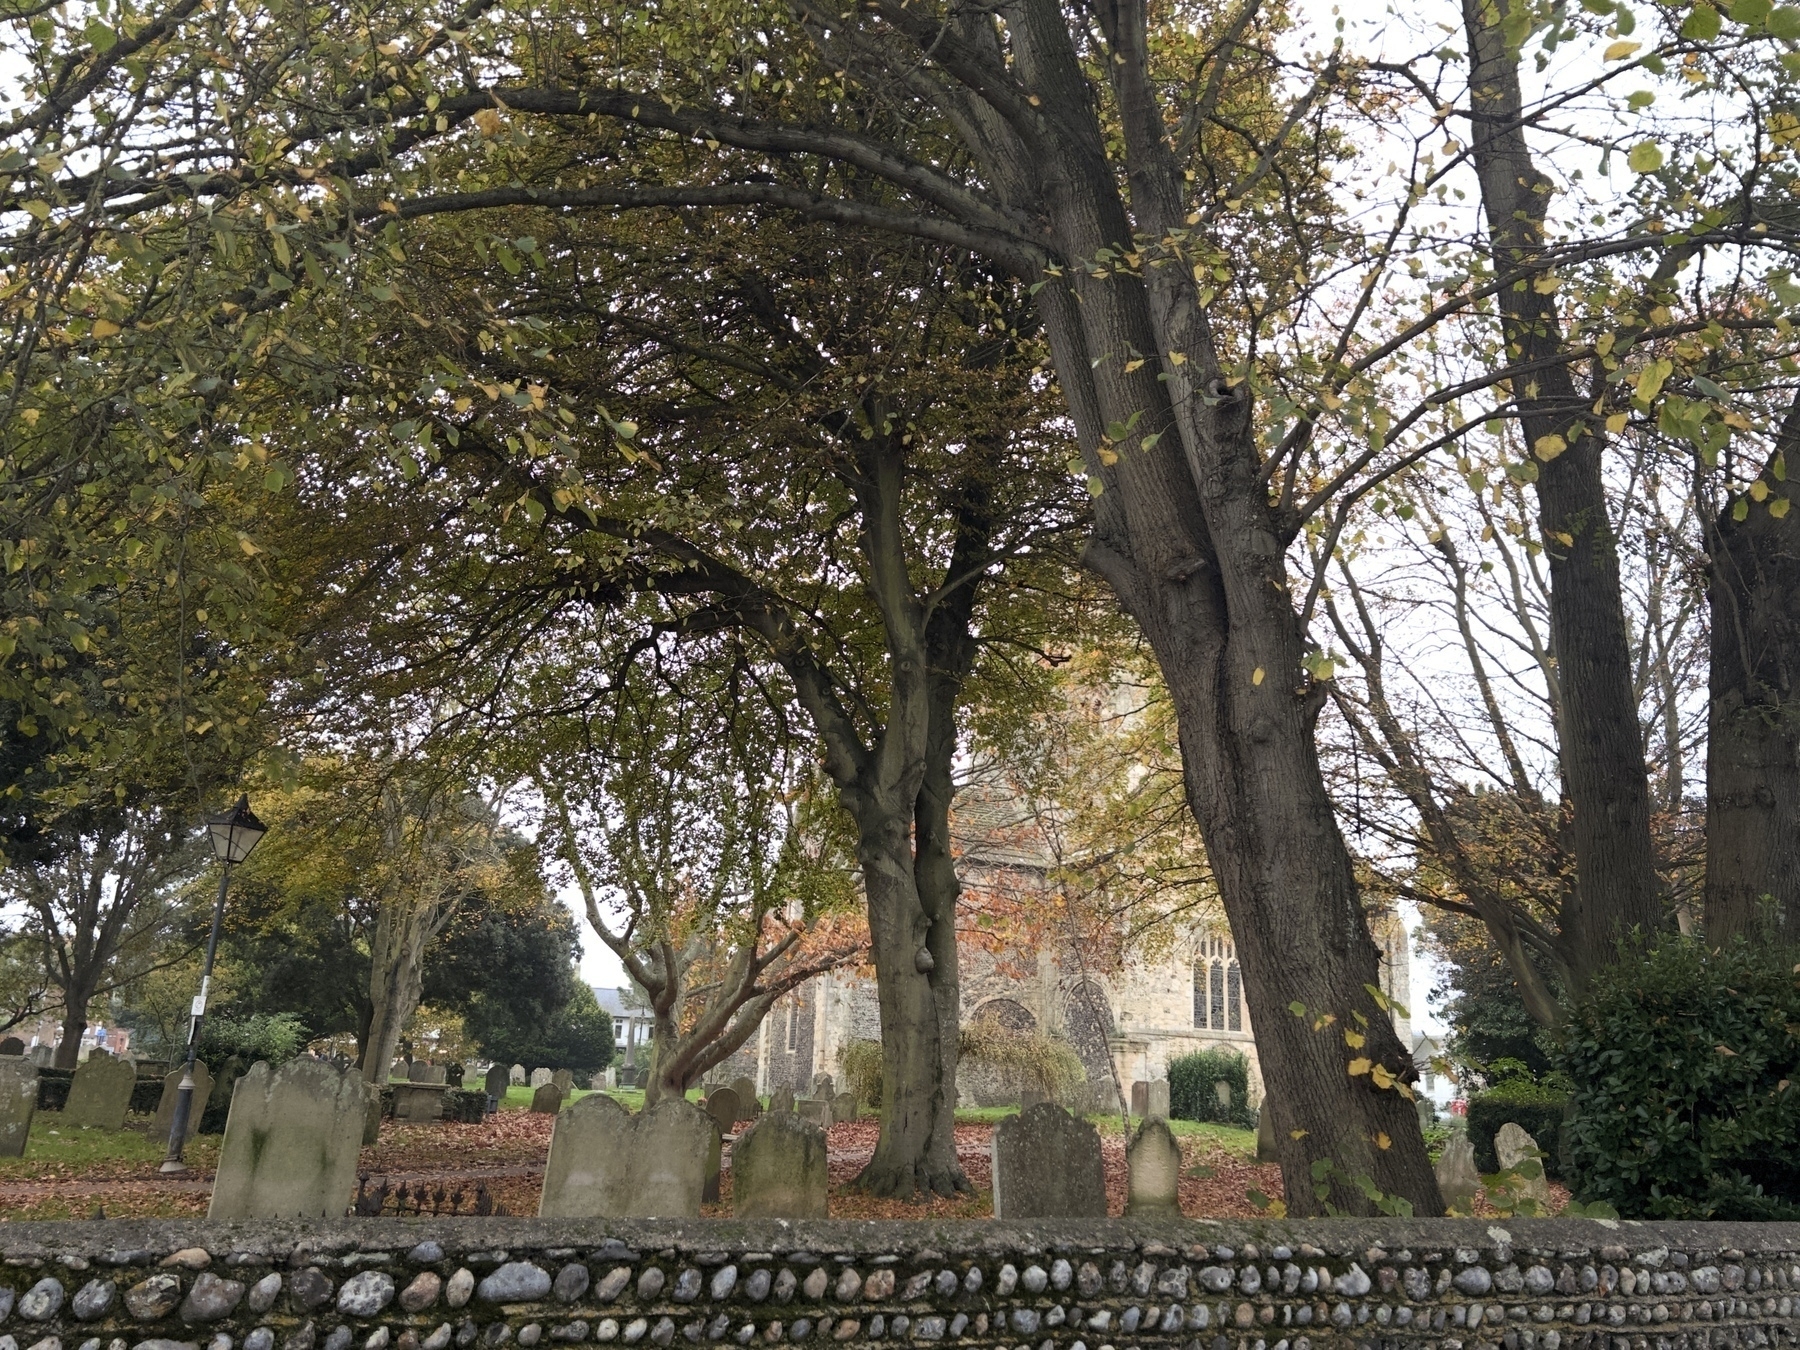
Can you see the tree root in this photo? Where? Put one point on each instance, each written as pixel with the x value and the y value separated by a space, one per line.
pixel 902 1181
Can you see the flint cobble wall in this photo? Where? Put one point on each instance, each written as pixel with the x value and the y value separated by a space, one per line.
pixel 484 1284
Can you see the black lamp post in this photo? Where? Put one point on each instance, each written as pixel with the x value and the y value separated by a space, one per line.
pixel 232 835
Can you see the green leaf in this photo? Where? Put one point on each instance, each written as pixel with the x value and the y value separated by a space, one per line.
pixel 100 37
pixel 1784 23
pixel 278 477
pixel 1702 25
pixel 1751 11
pixel 1645 157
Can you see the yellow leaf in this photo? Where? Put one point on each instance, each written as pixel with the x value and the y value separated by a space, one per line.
pixel 1546 285
pixel 1726 1050
pixel 1107 457
pixel 1566 540
pixel 1133 365
pixel 1549 447
pixel 1331 401
pixel 1354 1039
pixel 104 328
pixel 1360 1065
pixel 1619 51
pixel 1616 423
pixel 1257 676
pixel 1381 1077
pixel 1382 1141
pixel 487 121
pixel 1301 1134
pixel 1177 358
pixel 1779 507
pixel 248 544
pixel 1759 490
pixel 1650 379
pixel 1604 343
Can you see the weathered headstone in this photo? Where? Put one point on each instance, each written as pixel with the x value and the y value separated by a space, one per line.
pixel 516 1075
pixel 372 1118
pixel 496 1086
pixel 1046 1165
pixel 1516 1149
pixel 564 1079
pixel 1150 1098
pixel 12 1045
pixel 1266 1149
pixel 748 1107
pixel 291 1142
pixel 811 1108
pixel 42 1055
pixel 778 1170
pixel 606 1163
pixel 100 1093
pixel 1222 1093
pixel 419 1103
pixel 715 1165
pixel 419 1072
pixel 164 1120
pixel 541 1076
pixel 1031 1096
pixel 18 1101
pixel 844 1108
pixel 722 1106
pixel 1457 1178
pixel 824 1086
pixel 547 1100
pixel 781 1100
pixel 1153 1170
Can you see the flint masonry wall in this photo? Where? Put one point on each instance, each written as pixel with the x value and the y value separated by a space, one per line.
pixel 483 1284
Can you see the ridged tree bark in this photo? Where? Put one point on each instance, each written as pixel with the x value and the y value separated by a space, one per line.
pixel 1753 717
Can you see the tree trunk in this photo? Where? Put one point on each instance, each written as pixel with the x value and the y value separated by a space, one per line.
pixel 74 1026
pixel 1753 719
pixel 396 982
pixel 1601 744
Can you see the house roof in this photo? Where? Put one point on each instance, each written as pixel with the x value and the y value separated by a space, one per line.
pixel 613 1001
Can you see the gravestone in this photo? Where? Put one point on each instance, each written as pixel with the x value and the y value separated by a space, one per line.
pixel 516 1075
pixel 372 1119
pixel 419 1072
pixel 547 1100
pixel 419 1103
pixel 564 1079
pixel 845 1108
pixel 540 1076
pixel 606 1163
pixel 171 1093
pixel 1153 1170
pixel 824 1086
pixel 12 1045
pixel 291 1142
pixel 778 1170
pixel 1457 1177
pixel 811 1108
pixel 18 1102
pixel 781 1101
pixel 1222 1093
pixel 42 1055
pixel 715 1163
pixel 496 1085
pixel 1517 1149
pixel 100 1093
pixel 1046 1165
pixel 1030 1097
pixel 748 1107
pixel 1150 1098
pixel 1266 1150
pixel 722 1106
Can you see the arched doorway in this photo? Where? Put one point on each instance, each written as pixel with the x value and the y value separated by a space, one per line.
pixel 1088 1021
pixel 1008 1013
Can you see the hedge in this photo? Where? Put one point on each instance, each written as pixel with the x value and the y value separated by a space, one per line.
pixel 1686 1082
pixel 1193 1097
pixel 1536 1110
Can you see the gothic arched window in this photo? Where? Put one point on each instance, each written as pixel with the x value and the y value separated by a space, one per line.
pixel 1218 986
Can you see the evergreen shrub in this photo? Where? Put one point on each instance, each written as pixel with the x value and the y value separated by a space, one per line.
pixel 1685 1065
pixel 1193 1097
pixel 1533 1107
pixel 860 1064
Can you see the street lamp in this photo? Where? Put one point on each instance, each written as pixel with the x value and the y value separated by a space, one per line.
pixel 232 836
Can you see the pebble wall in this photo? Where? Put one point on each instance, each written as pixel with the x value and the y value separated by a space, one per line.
pixel 483 1284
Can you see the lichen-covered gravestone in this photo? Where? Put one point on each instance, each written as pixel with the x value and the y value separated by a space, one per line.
pixel 100 1093
pixel 516 1075
pixel 824 1087
pixel 171 1093
pixel 1457 1178
pixel 496 1084
pixel 18 1101
pixel 1047 1166
pixel 564 1079
pixel 781 1100
pixel 1150 1098
pixel 722 1106
pixel 547 1100
pixel 811 1108
pixel 606 1163
pixel 844 1108
pixel 540 1076
pixel 291 1142
pixel 778 1170
pixel 1153 1170
pixel 748 1107
pixel 1518 1152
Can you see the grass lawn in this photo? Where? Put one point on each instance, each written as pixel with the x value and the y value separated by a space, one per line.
pixel 1225 1136
pixel 55 1152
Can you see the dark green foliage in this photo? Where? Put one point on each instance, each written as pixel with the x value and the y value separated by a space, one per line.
pixel 1686 1083
pixel 53 1088
pixel 511 973
pixel 1482 1003
pixel 276 1037
pixel 146 1095
pixel 577 1036
pixel 1193 1097
pixel 1534 1108
pixel 466 1108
